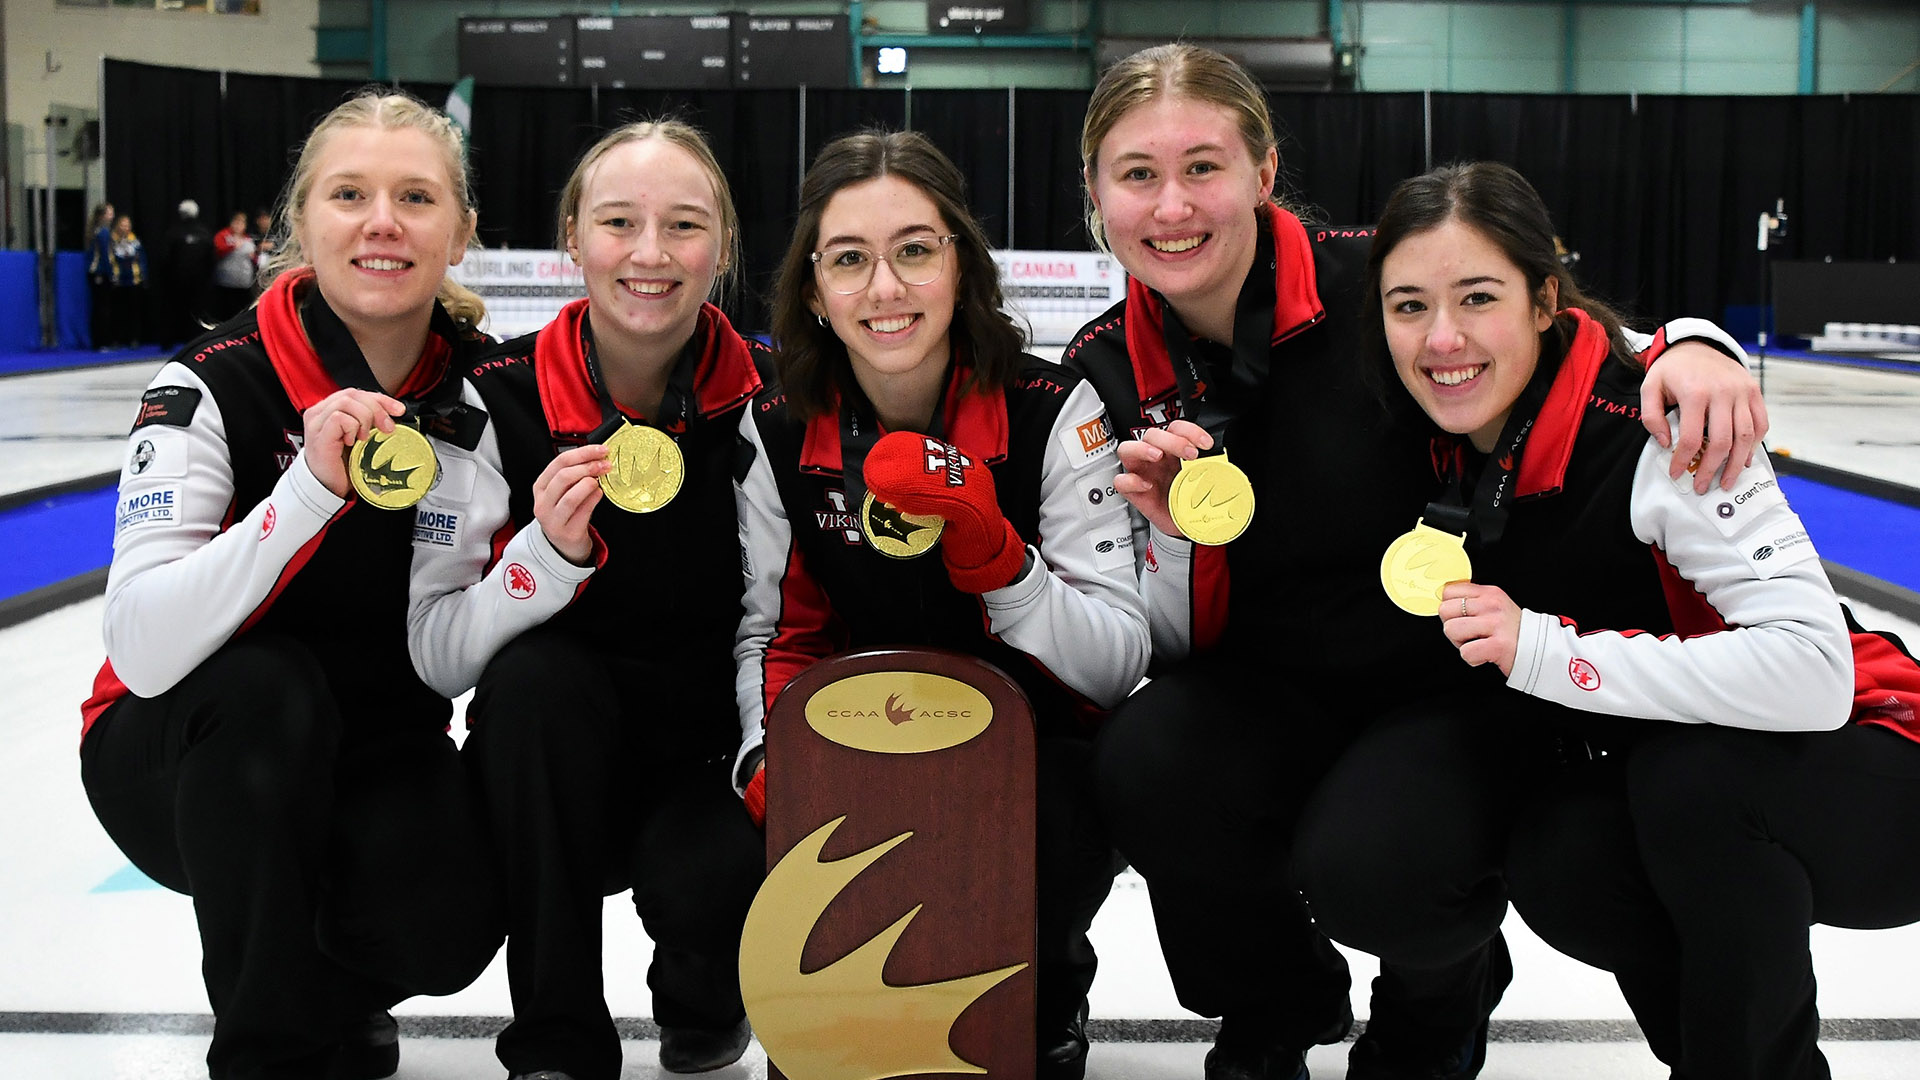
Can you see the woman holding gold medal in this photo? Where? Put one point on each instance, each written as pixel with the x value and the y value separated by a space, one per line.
pixel 917 479
pixel 1754 729
pixel 257 739
pixel 592 596
pixel 1268 479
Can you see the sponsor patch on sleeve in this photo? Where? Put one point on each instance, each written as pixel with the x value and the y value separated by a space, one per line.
pixel 1785 543
pixel 454 484
pixel 1088 440
pixel 1740 510
pixel 435 527
pixel 157 453
pixel 171 406
pixel 1098 498
pixel 146 509
pixel 1113 552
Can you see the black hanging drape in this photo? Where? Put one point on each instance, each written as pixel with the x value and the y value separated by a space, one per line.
pixel 1660 195
pixel 1048 201
pixel 1340 154
pixel 970 126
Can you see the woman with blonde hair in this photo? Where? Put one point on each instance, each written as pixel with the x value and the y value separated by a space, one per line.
pixel 251 740
pixel 1236 358
pixel 584 581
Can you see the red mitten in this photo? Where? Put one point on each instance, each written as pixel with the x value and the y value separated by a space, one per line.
pixel 756 798
pixel 922 475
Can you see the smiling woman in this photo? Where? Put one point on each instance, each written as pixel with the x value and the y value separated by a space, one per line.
pixel 909 411
pixel 1715 724
pixel 592 596
pixel 1236 365
pixel 249 741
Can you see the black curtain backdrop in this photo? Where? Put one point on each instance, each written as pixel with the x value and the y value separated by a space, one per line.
pixel 1660 195
pixel 1049 203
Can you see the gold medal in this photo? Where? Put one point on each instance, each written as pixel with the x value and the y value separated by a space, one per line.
pixel 393 470
pixel 647 469
pixel 1420 563
pixel 1211 500
pixel 896 533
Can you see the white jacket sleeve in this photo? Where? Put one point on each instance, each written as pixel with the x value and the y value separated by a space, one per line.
pixel 460 612
pixel 1166 584
pixel 766 557
pixel 180 586
pixel 1784 664
pixel 1692 329
pixel 1078 610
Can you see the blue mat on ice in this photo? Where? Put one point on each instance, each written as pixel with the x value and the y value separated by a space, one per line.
pixel 55 539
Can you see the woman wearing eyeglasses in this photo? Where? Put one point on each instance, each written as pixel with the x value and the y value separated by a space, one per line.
pixel 904 380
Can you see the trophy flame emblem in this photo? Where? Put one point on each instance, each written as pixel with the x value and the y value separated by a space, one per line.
pixel 844 1021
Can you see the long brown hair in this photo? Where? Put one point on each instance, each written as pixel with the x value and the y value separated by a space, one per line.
pixel 812 358
pixel 383 109
pixel 1498 203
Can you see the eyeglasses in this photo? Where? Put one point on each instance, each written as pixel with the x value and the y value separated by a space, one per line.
pixel 848 270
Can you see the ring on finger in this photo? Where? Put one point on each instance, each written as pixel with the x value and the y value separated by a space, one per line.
pixel 1463 607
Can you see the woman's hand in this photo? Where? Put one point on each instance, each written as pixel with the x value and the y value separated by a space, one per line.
pixel 1722 415
pixel 341 419
pixel 564 496
pixel 1482 622
pixel 1151 462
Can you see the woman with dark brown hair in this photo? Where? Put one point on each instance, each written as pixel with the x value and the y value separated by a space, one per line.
pixel 905 390
pixel 1691 729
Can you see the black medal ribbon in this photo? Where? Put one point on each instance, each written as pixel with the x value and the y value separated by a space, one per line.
pixel 1484 518
pixel 678 397
pixel 1204 399
pixel 860 429
pixel 439 412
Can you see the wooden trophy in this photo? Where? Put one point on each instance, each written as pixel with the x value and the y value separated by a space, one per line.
pixel 894 935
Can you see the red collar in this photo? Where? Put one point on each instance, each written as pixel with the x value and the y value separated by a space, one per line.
pixel 726 375
pixel 975 422
pixel 1543 464
pixel 302 371
pixel 1297 305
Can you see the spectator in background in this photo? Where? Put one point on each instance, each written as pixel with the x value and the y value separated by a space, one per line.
pixel 99 228
pixel 235 254
pixel 121 260
pixel 185 274
pixel 263 237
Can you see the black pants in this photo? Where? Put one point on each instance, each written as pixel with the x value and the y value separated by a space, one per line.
pixel 335 866
pixel 602 771
pixel 1693 869
pixel 1201 777
pixel 1076 868
pixel 1402 854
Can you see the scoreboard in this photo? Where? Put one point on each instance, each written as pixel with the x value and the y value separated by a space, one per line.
pixel 659 52
pixel 677 52
pixel 517 52
pixel 791 50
